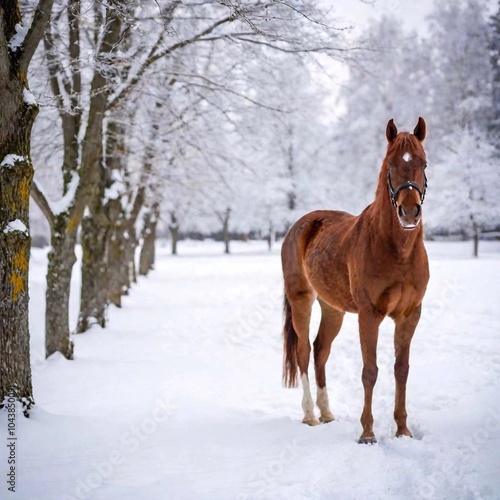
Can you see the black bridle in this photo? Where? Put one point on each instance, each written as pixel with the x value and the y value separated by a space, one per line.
pixel 408 184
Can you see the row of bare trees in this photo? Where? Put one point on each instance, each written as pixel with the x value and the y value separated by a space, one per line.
pixel 117 79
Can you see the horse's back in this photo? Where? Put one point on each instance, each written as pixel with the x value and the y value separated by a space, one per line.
pixel 314 226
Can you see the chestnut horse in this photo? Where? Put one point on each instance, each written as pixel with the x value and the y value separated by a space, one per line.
pixel 374 265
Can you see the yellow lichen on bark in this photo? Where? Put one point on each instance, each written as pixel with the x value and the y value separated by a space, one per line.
pixel 24 190
pixel 20 266
pixel 72 224
pixel 18 286
pixel 20 262
pixel 22 194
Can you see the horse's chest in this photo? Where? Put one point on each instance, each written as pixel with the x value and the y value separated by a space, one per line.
pixel 398 298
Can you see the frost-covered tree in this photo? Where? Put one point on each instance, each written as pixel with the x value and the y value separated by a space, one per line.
pixel 445 76
pixel 460 74
pixel 495 65
pixel 81 98
pixel 460 114
pixel 99 53
pixel 469 181
pixel 388 80
pixel 18 42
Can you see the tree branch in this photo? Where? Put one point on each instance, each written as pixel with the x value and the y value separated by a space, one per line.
pixel 54 67
pixel 35 33
pixel 164 53
pixel 43 204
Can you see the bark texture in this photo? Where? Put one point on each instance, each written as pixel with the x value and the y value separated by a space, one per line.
pixel 61 260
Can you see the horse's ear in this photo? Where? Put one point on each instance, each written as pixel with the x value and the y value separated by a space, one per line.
pixel 391 131
pixel 420 129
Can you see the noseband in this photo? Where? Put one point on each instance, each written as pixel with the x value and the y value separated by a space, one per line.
pixel 408 184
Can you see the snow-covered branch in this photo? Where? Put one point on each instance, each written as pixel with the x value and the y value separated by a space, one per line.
pixel 35 32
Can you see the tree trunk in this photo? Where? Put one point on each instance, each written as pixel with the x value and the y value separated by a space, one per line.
pixel 15 240
pixel 476 243
pixel 174 234
pixel 174 231
pixel 18 113
pixel 131 243
pixel 225 230
pixel 61 260
pixel 271 237
pixel 97 227
pixel 147 257
pixel 94 290
pixel 117 265
pixel 476 231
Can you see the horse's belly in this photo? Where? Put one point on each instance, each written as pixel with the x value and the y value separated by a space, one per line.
pixel 335 291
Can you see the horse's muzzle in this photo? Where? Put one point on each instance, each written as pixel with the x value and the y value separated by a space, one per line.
pixel 409 215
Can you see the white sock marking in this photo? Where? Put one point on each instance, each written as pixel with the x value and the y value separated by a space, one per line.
pixel 322 400
pixel 307 401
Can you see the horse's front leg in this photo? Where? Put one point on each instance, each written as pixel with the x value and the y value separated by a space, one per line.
pixel 405 328
pixel 369 321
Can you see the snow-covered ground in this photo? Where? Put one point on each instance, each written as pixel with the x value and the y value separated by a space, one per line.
pixel 181 397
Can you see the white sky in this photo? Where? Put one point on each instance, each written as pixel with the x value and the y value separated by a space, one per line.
pixel 358 12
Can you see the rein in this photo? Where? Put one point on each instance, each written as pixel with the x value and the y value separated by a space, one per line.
pixel 408 184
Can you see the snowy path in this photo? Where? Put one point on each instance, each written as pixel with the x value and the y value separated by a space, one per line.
pixel 181 397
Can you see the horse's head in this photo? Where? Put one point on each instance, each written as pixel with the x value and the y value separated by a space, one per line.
pixel 405 164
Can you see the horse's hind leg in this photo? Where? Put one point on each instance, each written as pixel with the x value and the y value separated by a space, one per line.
pixel 301 303
pixel 331 321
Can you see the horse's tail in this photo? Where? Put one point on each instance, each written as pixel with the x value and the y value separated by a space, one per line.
pixel 289 347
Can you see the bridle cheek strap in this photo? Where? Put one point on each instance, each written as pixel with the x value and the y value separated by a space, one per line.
pixel 405 185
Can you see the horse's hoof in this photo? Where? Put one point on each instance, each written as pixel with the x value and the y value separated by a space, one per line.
pixel 371 439
pixel 326 418
pixel 403 433
pixel 311 421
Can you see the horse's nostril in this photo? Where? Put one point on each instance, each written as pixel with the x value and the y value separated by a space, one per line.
pixel 417 210
pixel 401 211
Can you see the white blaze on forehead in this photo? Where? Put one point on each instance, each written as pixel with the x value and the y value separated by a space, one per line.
pixel 407 157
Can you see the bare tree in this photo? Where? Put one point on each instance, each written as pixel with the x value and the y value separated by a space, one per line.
pixel 19 109
pixel 119 62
